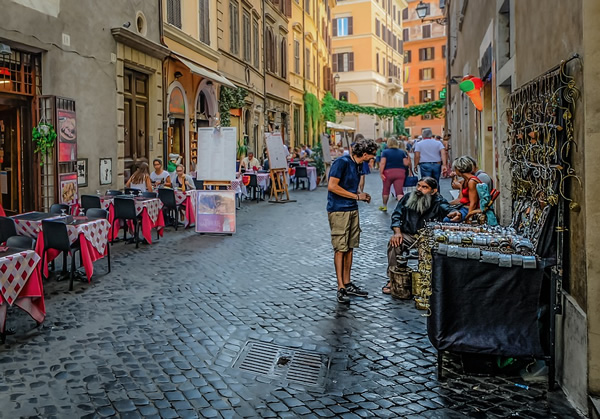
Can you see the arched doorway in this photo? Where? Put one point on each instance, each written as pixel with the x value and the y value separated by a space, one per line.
pixel 178 120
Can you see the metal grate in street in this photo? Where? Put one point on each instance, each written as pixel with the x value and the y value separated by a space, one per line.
pixel 281 362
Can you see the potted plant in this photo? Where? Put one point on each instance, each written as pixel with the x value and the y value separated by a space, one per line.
pixel 44 137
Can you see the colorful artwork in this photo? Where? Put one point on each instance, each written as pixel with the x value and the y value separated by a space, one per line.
pixel 176 102
pixel 215 212
pixel 68 188
pixel 105 171
pixel 67 136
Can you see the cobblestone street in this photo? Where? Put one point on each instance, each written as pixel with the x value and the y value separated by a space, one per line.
pixel 160 335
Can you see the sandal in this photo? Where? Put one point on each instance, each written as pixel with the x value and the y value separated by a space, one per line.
pixel 386 289
pixel 382 208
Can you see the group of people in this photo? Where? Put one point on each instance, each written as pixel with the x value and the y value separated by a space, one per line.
pixel 147 181
pixel 413 210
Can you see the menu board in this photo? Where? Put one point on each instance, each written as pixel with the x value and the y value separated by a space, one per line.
pixel 216 154
pixel 325 148
pixel 277 151
pixel 68 188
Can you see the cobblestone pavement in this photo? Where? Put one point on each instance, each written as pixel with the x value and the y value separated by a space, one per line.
pixel 158 337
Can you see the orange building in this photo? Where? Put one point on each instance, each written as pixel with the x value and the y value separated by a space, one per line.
pixel 424 63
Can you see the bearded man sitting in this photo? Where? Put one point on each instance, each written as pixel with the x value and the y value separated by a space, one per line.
pixel 412 212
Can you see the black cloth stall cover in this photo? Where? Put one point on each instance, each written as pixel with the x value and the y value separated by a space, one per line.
pixel 484 309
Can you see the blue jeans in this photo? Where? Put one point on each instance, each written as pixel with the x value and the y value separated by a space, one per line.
pixel 463 213
pixel 433 170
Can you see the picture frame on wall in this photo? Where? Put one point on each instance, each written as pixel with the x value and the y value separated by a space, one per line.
pixel 105 171
pixel 82 172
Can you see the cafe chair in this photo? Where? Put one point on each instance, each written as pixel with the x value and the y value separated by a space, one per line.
pixel 21 242
pixel 170 207
pixel 90 201
pixel 199 184
pixel 253 186
pixel 125 211
pixel 301 176
pixel 56 237
pixel 8 228
pixel 95 214
pixel 57 209
pixel 149 195
pixel 113 192
pixel 132 191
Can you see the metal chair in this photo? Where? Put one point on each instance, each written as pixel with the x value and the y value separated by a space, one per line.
pixel 133 191
pixel 113 192
pixel 170 207
pixel 90 201
pixel 199 184
pixel 125 210
pixel 8 228
pixel 302 175
pixel 57 209
pixel 21 242
pixel 56 237
pixel 253 185
pixel 98 213
pixel 149 195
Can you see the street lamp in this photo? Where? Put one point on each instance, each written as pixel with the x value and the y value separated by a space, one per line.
pixel 336 80
pixel 423 11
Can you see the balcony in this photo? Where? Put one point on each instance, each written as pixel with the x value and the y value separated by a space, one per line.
pixel 394 83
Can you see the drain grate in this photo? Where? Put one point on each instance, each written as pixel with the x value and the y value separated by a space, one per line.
pixel 281 362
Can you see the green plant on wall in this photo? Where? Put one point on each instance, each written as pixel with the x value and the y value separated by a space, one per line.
pixel 230 99
pixel 242 147
pixel 312 117
pixel 44 137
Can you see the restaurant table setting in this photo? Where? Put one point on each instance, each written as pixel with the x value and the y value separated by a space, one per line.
pixel 188 199
pixel 152 216
pixel 20 285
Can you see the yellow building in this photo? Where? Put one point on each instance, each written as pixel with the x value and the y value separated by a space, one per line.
pixel 368 57
pixel 191 72
pixel 310 72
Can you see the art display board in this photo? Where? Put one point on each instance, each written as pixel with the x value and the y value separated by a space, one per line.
pixel 68 190
pixel 215 212
pixel 216 153
pixel 325 148
pixel 67 136
pixel 276 151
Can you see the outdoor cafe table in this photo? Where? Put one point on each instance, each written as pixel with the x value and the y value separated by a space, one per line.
pixel 92 235
pixel 187 198
pixel 20 284
pixel 152 216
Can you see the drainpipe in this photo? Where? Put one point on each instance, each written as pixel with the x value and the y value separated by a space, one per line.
pixel 266 114
pixel 303 54
pixel 165 65
pixel 448 74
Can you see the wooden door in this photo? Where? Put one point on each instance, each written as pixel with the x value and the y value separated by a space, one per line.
pixel 136 118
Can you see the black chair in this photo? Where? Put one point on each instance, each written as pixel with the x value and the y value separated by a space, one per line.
pixel 170 207
pixel 21 242
pixel 8 228
pixel 302 175
pixel 133 191
pixel 253 186
pixel 57 209
pixel 149 195
pixel 56 237
pixel 90 201
pixel 199 184
pixel 113 192
pixel 125 211
pixel 97 213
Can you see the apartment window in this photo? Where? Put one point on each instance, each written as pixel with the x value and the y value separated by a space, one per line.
pixel 307 6
pixel 377 27
pixel 407 57
pixel 269 58
pixel 384 30
pixel 405 14
pixel 426 31
pixel 174 12
pixel 343 96
pixel 342 26
pixel 394 12
pixel 204 12
pixel 377 61
pixel 426 74
pixel 256 44
pixel 399 17
pixel 234 28
pixel 389 8
pixel 284 57
pixel 296 57
pixel 307 63
pixel 405 98
pixel 426 95
pixel 247 37
pixel 443 51
pixel 315 72
pixel 426 54
pixel 343 62
pixel 383 67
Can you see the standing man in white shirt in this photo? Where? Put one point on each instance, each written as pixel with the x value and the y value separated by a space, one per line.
pixel 430 156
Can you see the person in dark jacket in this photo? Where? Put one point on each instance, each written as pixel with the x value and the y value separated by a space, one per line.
pixel 413 211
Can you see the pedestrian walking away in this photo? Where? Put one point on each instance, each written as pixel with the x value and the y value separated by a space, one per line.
pixel 342 209
pixel 430 156
pixel 393 169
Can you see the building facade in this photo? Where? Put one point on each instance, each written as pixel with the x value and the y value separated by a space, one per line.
pixel 96 77
pixel 309 62
pixel 367 54
pixel 494 41
pixel 424 74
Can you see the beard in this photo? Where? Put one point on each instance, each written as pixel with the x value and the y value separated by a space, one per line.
pixel 419 202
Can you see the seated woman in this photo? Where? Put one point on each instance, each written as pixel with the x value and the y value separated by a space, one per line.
pixel 160 177
pixel 141 179
pixel 182 181
pixel 468 198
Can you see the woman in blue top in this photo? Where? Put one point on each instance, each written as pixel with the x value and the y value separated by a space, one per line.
pixel 393 168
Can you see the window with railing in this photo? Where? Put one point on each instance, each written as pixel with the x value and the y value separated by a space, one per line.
pixel 20 72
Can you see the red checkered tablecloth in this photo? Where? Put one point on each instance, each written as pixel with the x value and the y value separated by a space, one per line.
pixel 180 197
pixel 95 231
pixel 29 228
pixel 15 272
pixel 153 205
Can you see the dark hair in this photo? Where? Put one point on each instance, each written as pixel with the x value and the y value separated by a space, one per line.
pixel 364 146
pixel 157 160
pixel 431 182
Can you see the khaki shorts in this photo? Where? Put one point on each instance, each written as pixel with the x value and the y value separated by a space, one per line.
pixel 345 230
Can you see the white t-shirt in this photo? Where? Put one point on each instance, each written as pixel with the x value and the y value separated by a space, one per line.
pixel 430 149
pixel 162 177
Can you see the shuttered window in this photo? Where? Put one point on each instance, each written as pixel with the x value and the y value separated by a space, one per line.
pixel 234 28
pixel 426 30
pixel 247 37
pixel 204 29
pixel 174 12
pixel 256 44
pixel 343 62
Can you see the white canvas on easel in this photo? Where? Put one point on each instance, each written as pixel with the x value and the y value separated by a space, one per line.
pixel 325 148
pixel 277 152
pixel 216 154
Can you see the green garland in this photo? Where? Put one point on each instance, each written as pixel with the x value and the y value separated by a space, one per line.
pixel 44 137
pixel 312 116
pixel 331 105
pixel 230 99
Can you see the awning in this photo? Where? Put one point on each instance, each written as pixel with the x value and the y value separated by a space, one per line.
pixel 339 127
pixel 201 71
